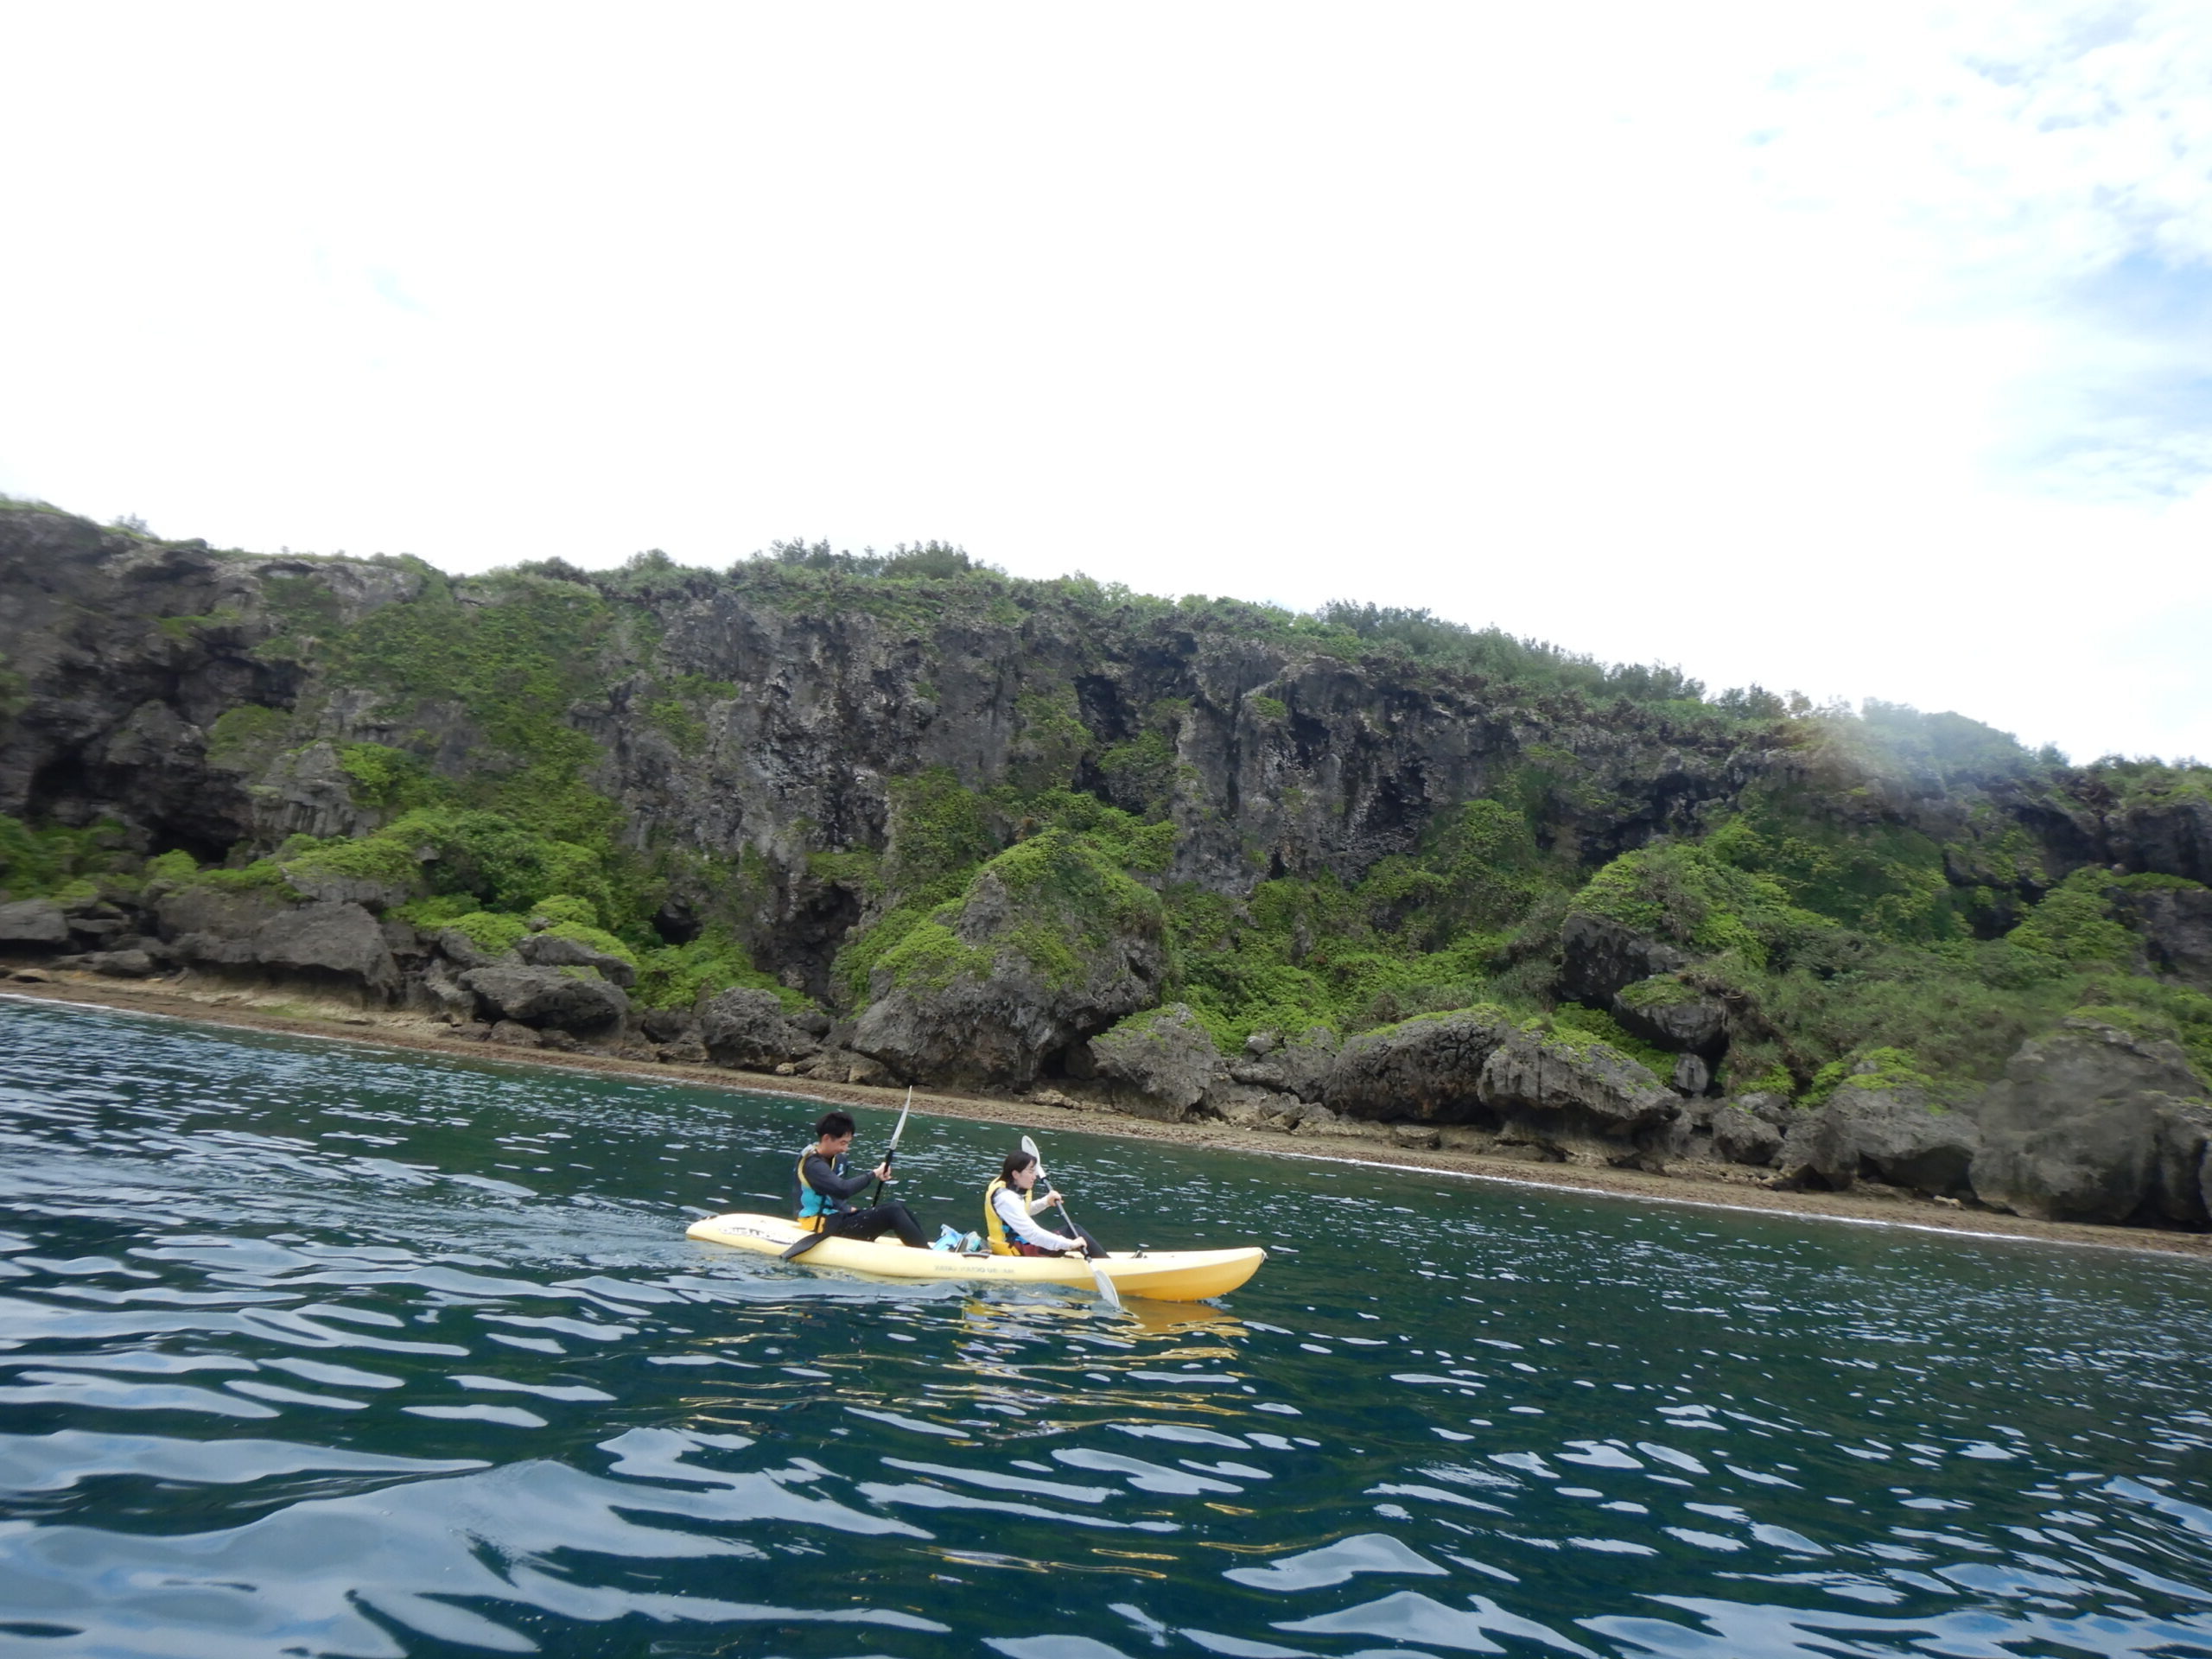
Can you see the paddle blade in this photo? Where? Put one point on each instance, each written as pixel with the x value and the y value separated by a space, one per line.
pixel 1107 1294
pixel 792 1253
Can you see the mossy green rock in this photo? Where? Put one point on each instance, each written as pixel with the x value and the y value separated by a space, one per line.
pixel 557 950
pixel 1049 945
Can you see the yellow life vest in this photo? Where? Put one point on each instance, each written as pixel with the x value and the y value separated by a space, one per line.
pixel 994 1229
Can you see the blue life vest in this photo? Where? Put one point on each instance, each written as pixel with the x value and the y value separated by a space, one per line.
pixel 813 1205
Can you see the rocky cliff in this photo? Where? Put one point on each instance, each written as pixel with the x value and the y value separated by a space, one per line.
pixel 903 814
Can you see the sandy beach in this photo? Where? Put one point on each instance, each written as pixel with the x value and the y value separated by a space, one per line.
pixel 1741 1188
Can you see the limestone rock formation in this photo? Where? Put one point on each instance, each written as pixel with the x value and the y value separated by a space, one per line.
pixel 551 950
pixel 2176 925
pixel 982 821
pixel 1741 1137
pixel 1539 1080
pixel 1161 1064
pixel 1048 948
pixel 1298 1066
pixel 1429 1069
pixel 33 922
pixel 1480 1066
pixel 546 997
pixel 339 943
pixel 1600 957
pixel 1893 1136
pixel 750 1029
pixel 2093 1124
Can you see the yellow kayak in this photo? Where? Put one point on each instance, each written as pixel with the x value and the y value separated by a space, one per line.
pixel 1164 1275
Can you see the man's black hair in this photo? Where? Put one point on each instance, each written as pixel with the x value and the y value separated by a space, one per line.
pixel 834 1126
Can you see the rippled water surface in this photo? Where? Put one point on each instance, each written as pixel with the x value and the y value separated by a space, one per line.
pixel 314 1349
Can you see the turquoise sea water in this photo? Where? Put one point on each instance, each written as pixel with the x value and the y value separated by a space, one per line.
pixel 308 1348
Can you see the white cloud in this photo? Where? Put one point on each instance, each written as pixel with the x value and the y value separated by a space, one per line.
pixel 1864 351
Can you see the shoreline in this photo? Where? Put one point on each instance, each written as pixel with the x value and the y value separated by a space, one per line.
pixel 294 1016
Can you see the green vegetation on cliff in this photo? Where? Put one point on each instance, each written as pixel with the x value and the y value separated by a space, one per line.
pixel 809 769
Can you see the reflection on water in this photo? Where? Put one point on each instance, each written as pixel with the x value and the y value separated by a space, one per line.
pixel 312 1349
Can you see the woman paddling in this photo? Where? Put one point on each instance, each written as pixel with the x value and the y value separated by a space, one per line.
pixel 1008 1207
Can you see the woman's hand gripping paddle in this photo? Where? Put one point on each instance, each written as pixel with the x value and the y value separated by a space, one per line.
pixel 822 1230
pixel 1107 1294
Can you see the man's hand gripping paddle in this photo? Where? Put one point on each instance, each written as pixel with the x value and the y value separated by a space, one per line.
pixel 1107 1294
pixel 793 1252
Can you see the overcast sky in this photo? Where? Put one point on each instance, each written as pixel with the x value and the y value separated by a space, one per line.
pixel 1864 350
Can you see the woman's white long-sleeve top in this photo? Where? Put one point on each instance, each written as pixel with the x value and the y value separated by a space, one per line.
pixel 1014 1214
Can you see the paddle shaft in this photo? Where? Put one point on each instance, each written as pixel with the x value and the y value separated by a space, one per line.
pixel 892 1151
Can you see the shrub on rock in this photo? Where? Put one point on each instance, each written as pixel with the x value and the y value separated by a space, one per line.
pixel 1049 944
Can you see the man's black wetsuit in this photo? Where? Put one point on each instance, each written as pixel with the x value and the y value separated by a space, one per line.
pixel 843 1221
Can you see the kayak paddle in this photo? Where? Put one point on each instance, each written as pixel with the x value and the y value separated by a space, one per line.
pixel 892 1151
pixel 1107 1294
pixel 822 1230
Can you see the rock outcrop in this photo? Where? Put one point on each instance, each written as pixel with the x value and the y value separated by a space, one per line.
pixel 340 942
pixel 1740 1136
pixel 1298 1066
pixel 1049 947
pixel 1161 1064
pixel 750 1029
pixel 546 998
pixel 2093 1124
pixel 552 950
pixel 2176 926
pixel 1897 1136
pixel 1480 1066
pixel 33 922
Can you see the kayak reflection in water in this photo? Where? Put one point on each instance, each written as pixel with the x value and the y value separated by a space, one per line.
pixel 826 1193
pixel 1009 1218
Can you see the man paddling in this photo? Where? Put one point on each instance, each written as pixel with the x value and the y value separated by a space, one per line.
pixel 826 1193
